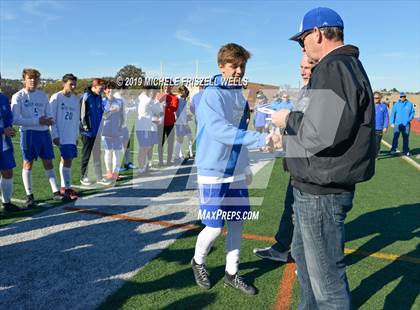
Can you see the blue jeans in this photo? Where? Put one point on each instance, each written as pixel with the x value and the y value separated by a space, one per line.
pixel 318 249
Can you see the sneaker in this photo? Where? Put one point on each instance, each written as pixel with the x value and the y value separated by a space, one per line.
pixel 238 283
pixel 10 207
pixel 201 275
pixel 104 181
pixel 57 196
pixel 85 181
pixel 270 253
pixel 30 201
pixel 392 151
pixel 130 166
pixel 408 154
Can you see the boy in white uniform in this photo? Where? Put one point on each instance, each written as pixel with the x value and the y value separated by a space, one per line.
pixel 65 108
pixel 181 125
pixel 31 111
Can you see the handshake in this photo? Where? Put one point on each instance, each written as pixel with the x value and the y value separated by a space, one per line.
pixel 273 141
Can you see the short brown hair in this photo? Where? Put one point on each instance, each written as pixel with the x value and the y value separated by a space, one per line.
pixel 69 77
pixel 31 73
pixel 110 85
pixel 232 53
pixel 183 88
pixel 98 82
pixel 377 94
pixel 333 33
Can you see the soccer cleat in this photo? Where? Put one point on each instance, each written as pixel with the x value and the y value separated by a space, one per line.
pixel 10 207
pixel 30 201
pixel 271 254
pixel 85 181
pixel 201 275
pixel 68 195
pixel 57 196
pixel 105 181
pixel 238 283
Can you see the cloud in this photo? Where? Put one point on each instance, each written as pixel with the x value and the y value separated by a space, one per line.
pixel 186 36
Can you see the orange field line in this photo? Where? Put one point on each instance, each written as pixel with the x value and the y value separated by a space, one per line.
pixel 285 290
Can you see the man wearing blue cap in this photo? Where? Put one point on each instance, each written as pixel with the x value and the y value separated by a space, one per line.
pixel 329 148
pixel 401 115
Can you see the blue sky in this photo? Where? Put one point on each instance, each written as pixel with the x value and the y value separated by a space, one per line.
pixel 96 38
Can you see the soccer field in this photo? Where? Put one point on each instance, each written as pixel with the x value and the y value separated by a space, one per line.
pixel 382 232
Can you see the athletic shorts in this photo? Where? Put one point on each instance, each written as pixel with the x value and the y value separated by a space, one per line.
pixel 182 130
pixel 112 143
pixel 147 138
pixel 35 143
pixel 216 198
pixel 7 160
pixel 68 151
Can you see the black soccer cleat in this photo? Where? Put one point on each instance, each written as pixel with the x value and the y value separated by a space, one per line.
pixel 238 283
pixel 201 275
pixel 30 201
pixel 10 207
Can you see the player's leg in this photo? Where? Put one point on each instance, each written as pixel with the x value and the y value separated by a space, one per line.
pixel 7 163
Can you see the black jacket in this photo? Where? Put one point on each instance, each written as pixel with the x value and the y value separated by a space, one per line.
pixel 336 133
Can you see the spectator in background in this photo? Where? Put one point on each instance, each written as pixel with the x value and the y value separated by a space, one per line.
pixel 382 120
pixel 65 108
pixel 112 131
pixel 91 112
pixel 7 160
pixel 182 127
pixel 32 112
pixel 401 115
pixel 285 103
pixel 149 110
pixel 195 101
pixel 170 108
pixel 260 118
pixel 129 109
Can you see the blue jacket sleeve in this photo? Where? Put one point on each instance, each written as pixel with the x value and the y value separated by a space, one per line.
pixel 212 115
pixel 393 114
pixel 410 118
pixel 386 118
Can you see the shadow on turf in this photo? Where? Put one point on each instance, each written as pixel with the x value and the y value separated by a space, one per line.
pixel 389 225
pixel 184 279
pixel 387 154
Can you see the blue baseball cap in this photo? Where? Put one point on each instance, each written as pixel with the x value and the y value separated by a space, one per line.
pixel 320 18
pixel 402 94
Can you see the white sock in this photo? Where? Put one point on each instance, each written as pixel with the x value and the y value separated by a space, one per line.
pixel 66 177
pixel 27 181
pixel 204 243
pixel 108 160
pixel 190 145
pixel 6 186
pixel 51 178
pixel 178 151
pixel 233 246
pixel 62 181
pixel 116 158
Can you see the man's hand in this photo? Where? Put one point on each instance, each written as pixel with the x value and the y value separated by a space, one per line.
pixel 45 120
pixel 384 130
pixel 279 118
pixel 392 125
pixel 274 141
pixel 56 141
pixel 9 132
